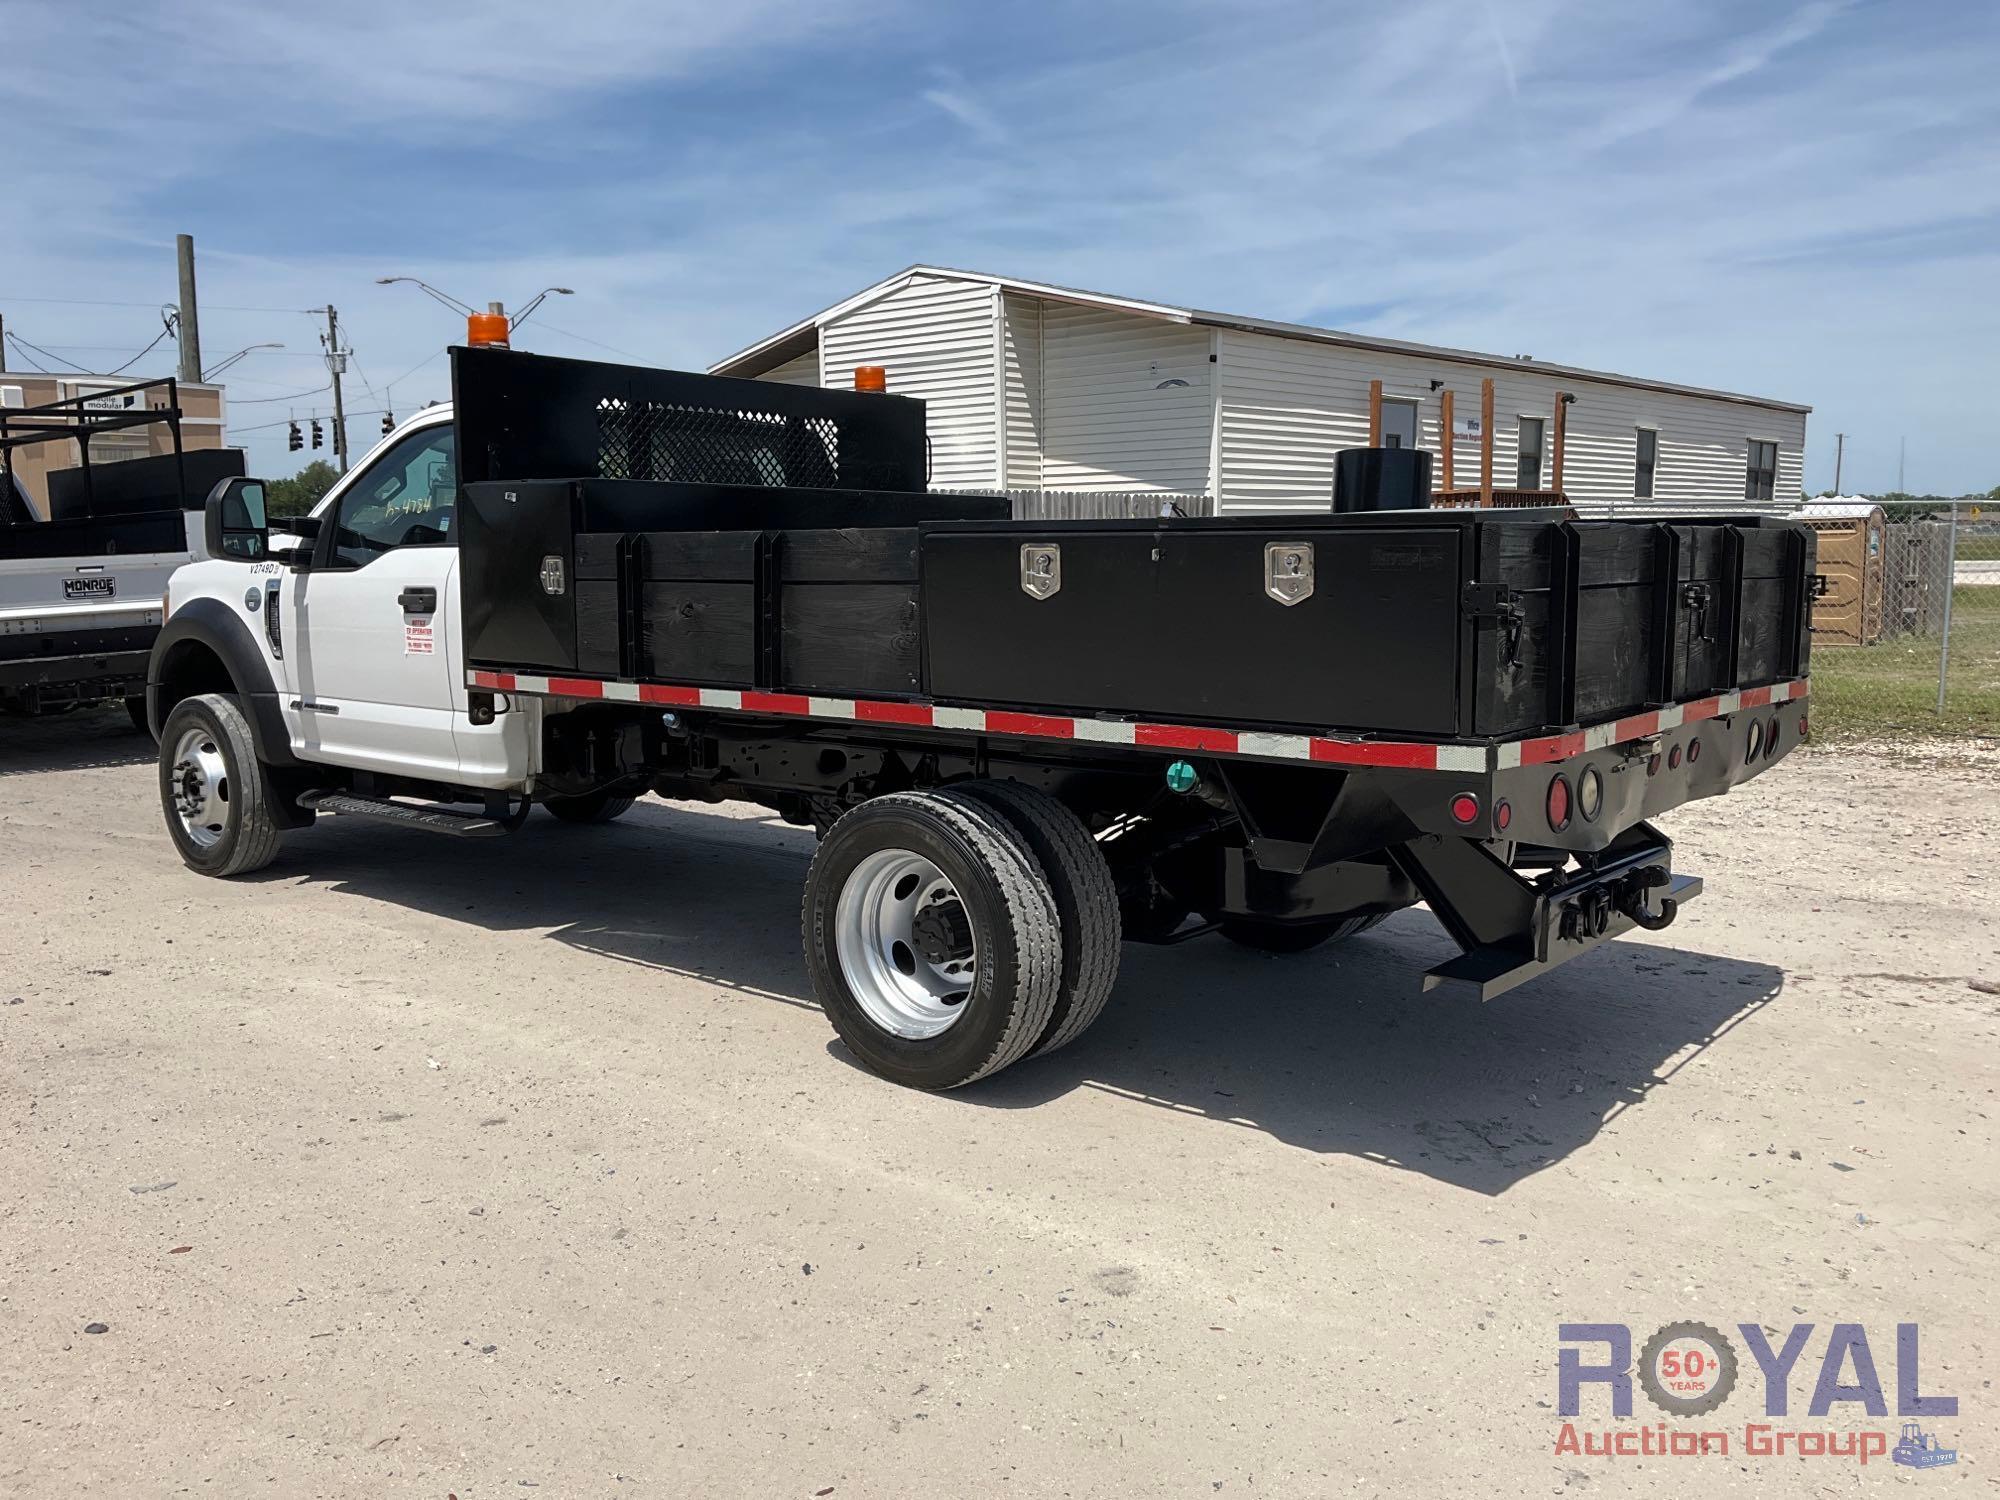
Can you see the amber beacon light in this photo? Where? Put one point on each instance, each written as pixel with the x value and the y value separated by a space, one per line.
pixel 871 378
pixel 487 330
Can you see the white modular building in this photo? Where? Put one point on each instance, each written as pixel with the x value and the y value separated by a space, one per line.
pixel 1036 387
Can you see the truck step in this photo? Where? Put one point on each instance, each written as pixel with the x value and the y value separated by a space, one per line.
pixel 437 820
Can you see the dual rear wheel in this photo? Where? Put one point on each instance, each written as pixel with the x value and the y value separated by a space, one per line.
pixel 950 934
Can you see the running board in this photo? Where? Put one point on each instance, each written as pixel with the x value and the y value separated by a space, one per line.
pixel 456 825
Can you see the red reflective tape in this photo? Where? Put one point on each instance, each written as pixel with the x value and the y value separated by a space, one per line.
pixel 576 687
pixel 776 703
pixel 1401 755
pixel 1553 748
pixel 1048 726
pixel 1184 737
pixel 893 713
pixel 1638 727
pixel 1756 697
pixel 684 697
pixel 494 680
pixel 1701 708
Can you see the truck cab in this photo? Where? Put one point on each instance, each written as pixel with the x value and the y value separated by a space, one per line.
pixel 337 641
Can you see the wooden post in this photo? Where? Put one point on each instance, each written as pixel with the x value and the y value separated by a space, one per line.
pixel 1556 461
pixel 1486 442
pixel 1444 436
pixel 1374 413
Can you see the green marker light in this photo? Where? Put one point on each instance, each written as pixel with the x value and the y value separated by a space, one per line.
pixel 1180 776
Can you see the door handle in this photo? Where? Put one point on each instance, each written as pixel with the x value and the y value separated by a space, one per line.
pixel 418 601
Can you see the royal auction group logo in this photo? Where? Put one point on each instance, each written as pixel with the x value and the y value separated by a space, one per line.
pixel 1689 1370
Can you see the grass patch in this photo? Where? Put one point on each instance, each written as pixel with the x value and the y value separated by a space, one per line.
pixel 1979 549
pixel 1889 691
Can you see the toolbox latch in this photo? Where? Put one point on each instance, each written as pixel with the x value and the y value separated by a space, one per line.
pixel 1500 605
pixel 1288 571
pixel 1041 569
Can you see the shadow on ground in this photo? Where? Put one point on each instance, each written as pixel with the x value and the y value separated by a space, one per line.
pixel 1333 1051
pixel 84 739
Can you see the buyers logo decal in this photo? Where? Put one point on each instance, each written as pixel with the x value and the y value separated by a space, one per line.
pixel 1689 1369
pixel 93 586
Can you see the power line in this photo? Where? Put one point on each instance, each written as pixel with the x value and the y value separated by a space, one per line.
pixel 311 312
pixel 20 343
pixel 163 333
pixel 291 396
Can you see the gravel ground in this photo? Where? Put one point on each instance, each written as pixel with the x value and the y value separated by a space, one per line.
pixel 419 1168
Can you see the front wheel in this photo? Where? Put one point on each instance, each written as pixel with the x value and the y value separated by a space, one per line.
pixel 213 790
pixel 1268 936
pixel 933 939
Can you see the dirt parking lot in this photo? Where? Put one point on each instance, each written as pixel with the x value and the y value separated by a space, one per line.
pixel 414 1167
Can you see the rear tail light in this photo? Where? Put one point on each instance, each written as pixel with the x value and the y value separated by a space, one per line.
pixel 1590 793
pixel 1503 814
pixel 1694 751
pixel 1802 726
pixel 1653 764
pixel 1674 758
pixel 1771 740
pixel 1756 738
pixel 1465 808
pixel 1558 807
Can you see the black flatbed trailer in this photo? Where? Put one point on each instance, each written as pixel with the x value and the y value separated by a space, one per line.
pixel 1281 727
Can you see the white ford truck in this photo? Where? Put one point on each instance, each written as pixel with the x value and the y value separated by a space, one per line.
pixel 1020 742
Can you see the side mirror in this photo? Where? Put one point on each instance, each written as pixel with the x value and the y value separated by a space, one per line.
pixel 234 521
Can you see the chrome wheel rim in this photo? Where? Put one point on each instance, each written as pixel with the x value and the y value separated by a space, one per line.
pixel 200 787
pixel 905 944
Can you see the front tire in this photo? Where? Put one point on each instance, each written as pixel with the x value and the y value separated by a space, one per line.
pixel 933 939
pixel 591 807
pixel 213 790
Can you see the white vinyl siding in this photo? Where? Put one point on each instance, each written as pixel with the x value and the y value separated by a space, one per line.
pixel 1287 406
pixel 801 371
pixel 1114 418
pixel 1021 353
pixel 935 337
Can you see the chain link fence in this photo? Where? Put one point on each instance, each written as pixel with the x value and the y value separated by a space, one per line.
pixel 1906 635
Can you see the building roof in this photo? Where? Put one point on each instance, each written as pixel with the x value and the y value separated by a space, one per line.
pixel 1840 507
pixel 791 342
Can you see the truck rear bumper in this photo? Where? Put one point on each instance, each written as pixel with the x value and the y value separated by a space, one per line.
pixel 1512 936
pixel 52 680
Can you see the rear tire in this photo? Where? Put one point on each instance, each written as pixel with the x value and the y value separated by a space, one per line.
pixel 213 790
pixel 932 938
pixel 1085 894
pixel 1269 936
pixel 136 707
pixel 591 807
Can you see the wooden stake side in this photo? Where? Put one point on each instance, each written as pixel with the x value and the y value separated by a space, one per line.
pixel 1486 442
pixel 1556 461
pixel 1445 440
pixel 1374 413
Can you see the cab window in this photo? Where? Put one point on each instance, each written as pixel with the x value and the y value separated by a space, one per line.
pixel 408 498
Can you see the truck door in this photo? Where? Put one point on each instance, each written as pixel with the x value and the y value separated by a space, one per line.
pixel 367 670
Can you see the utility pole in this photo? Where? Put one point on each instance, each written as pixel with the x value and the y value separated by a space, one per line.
pixel 190 324
pixel 3 343
pixel 336 364
pixel 1839 452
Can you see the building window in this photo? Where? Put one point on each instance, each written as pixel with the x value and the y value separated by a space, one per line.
pixel 1760 477
pixel 1642 466
pixel 1399 424
pixel 1528 460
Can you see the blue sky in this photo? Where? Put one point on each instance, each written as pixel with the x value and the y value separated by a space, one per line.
pixel 1793 199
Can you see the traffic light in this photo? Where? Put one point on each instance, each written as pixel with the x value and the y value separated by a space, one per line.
pixel 319 439
pixel 388 423
pixel 295 439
